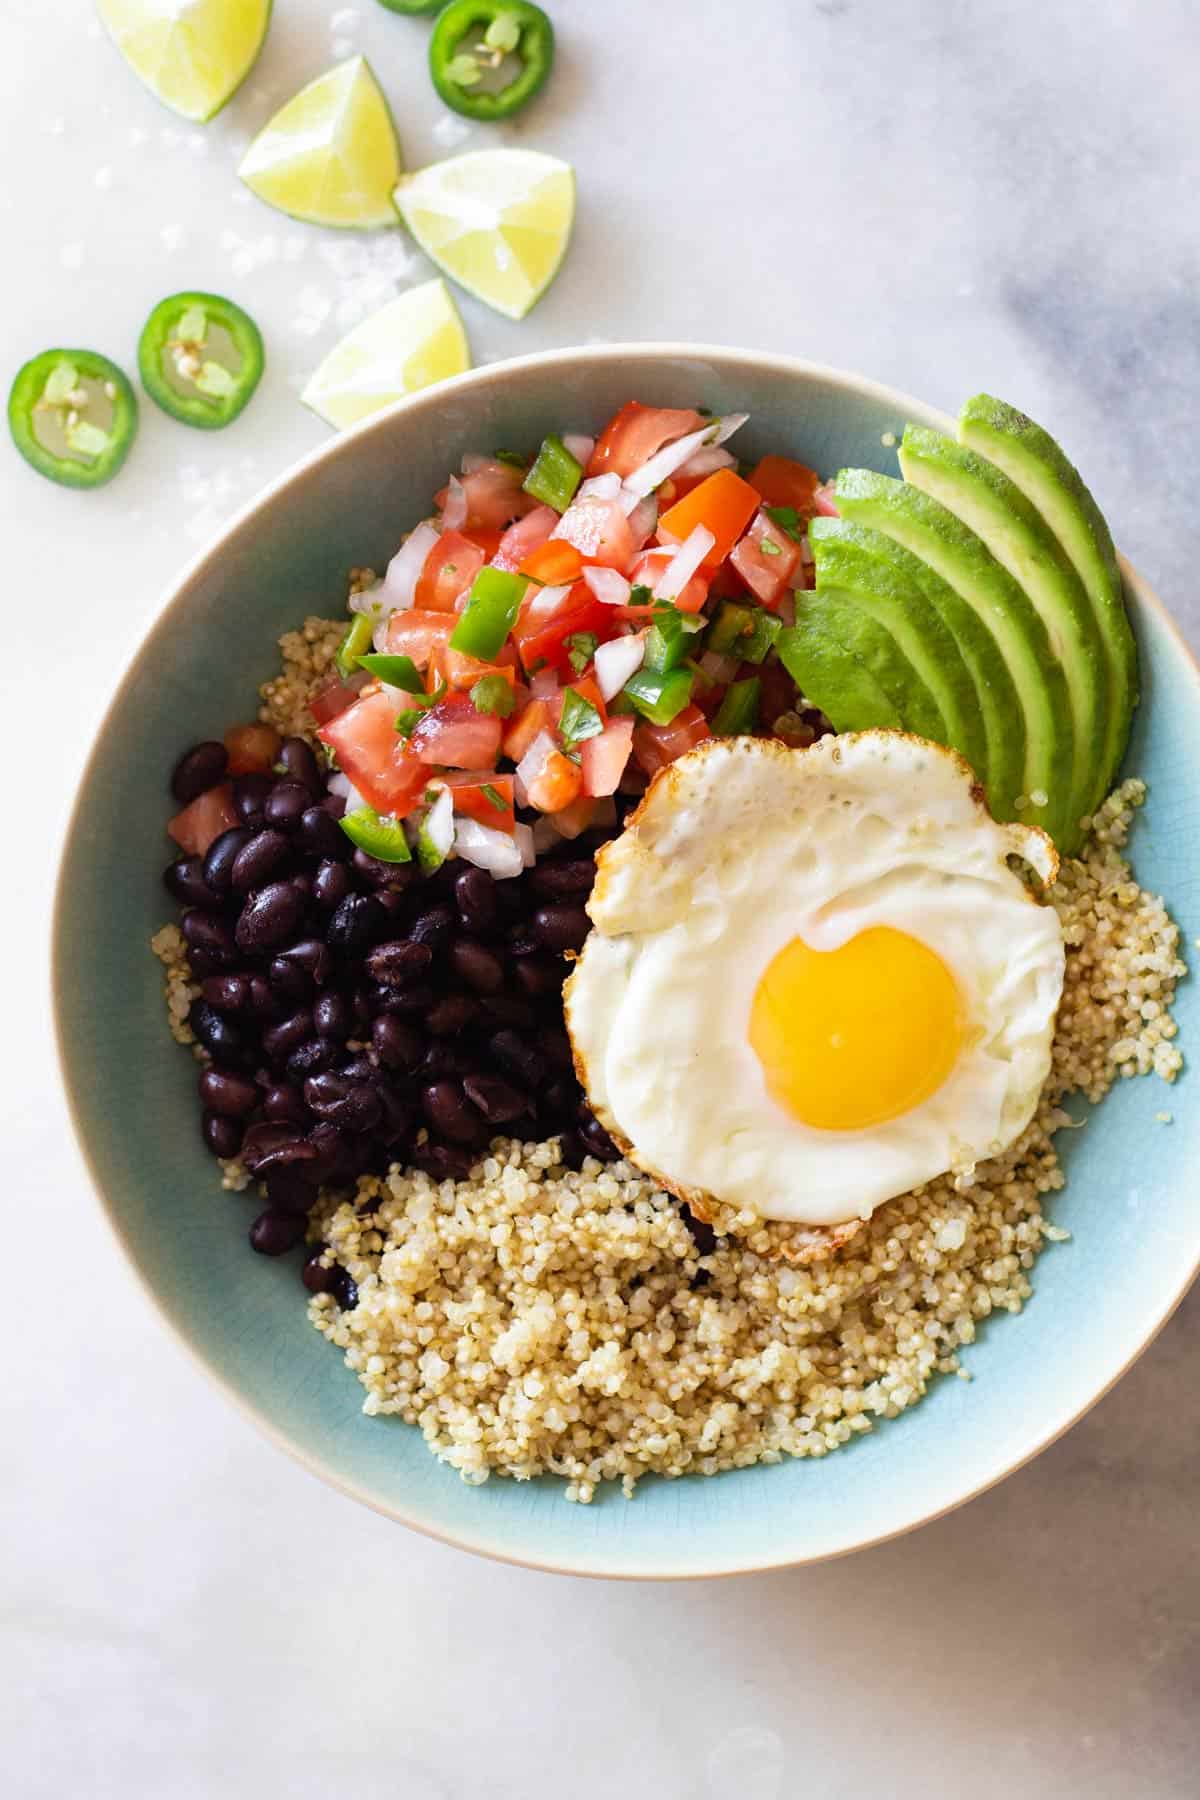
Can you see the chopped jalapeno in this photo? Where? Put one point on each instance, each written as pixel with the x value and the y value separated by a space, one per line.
pixel 489 614
pixel 579 719
pixel 554 476
pixel 73 416
pixel 738 711
pixel 356 640
pixel 201 358
pixel 731 624
pixel 492 694
pixel 413 7
pixel 764 628
pixel 397 671
pixel 382 838
pixel 489 57
pixel 658 696
pixel 668 640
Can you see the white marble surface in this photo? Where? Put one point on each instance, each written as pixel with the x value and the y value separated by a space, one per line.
pixel 947 197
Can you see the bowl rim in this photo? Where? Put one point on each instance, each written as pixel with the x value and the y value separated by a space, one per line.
pixel 307 467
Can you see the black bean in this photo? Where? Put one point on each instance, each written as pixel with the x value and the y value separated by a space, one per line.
pixel 299 764
pixel 345 1290
pixel 475 897
pixel 703 1235
pixel 374 872
pixel 284 1104
pixel 555 1046
pixel 322 835
pixel 399 962
pixel 292 1188
pixel 263 1004
pixel 290 981
pixel 398 1115
pixel 512 1009
pixel 451 1114
pixel 284 804
pixel 275 1231
pixel 228 993
pixel 257 859
pixel 597 1140
pixel 444 1162
pixel 332 1016
pixel 230 1095
pixel 358 1067
pixel 331 884
pixel 518 1057
pixel 303 884
pixel 352 1105
pixel 250 796
pixel 220 855
pixel 313 956
pixel 222 1135
pixel 357 921
pixel 198 769
pixel 496 1099
pixel 316 1277
pixel 204 931
pixel 413 1002
pixel 557 1100
pixel 561 927
pixel 447 1017
pixel 310 1058
pixel 563 879
pixel 446 1058
pixel 573 1149
pixel 539 975
pixel 397 1045
pixel 184 881
pixel 269 917
pixel 433 925
pixel 270 1146
pixel 332 1148
pixel 478 966
pixel 280 1040
pixel 221 1039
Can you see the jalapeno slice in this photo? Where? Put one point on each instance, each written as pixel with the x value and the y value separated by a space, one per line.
pixel 489 57
pixel 201 358
pixel 413 6
pixel 73 416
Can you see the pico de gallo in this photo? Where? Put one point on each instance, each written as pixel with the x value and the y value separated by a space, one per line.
pixel 559 629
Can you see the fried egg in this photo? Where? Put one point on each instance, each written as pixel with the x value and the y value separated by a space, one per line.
pixel 815 978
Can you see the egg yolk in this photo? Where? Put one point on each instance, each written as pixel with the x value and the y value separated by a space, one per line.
pixel 854 1036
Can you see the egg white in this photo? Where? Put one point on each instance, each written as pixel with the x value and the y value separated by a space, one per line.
pixel 744 845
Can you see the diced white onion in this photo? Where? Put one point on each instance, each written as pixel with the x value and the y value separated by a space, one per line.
pixel 643 517
pixel 543 683
pixel 573 819
pixel 523 838
pixel 721 668
pixel 728 425
pixel 488 848
pixel 683 565
pixel 532 764
pixel 454 513
pixel 474 460
pixel 400 697
pixel 579 447
pixel 599 487
pixel 607 585
pixel 342 784
pixel 617 660
pixel 379 637
pixel 652 474
pixel 404 571
pixel 438 823
pixel 544 835
pixel 370 602
pixel 707 461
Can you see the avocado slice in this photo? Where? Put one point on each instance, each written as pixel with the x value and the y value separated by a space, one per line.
pixel 933 533
pixel 864 496
pixel 831 678
pixel 846 557
pixel 839 612
pixel 1033 462
pixel 986 501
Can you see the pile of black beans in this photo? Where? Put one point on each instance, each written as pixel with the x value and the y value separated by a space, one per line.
pixel 358 1013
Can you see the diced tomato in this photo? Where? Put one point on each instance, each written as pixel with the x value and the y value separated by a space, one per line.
pixel 557 785
pixel 374 756
pixel 545 641
pixel 766 559
pixel 523 538
pixel 570 821
pixel 203 820
pixel 449 570
pixel 418 634
pixel 335 695
pixel 646 572
pixel 252 748
pixel 554 563
pixel 524 726
pixel 654 746
pixel 782 482
pixel 636 434
pixel 458 670
pixel 453 734
pixel 598 529
pixel 723 503
pixel 487 541
pixel 495 497
pixel 488 798
pixel 604 757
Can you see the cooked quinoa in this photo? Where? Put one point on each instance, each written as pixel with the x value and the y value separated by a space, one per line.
pixel 536 1320
pixel 307 658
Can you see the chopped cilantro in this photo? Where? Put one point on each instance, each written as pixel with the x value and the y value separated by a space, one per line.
pixel 640 595
pixel 788 520
pixel 492 694
pixel 579 719
pixel 581 646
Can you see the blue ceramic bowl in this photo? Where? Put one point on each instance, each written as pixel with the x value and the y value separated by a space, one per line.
pixel 1130 1203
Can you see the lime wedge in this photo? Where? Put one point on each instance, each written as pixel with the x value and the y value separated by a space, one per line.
pixel 408 344
pixel 191 54
pixel 331 155
pixel 496 221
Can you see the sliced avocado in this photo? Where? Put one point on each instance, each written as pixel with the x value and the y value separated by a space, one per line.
pixel 933 533
pixel 846 557
pixel 862 495
pixel 1032 460
pixel 829 677
pixel 986 501
pixel 839 612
